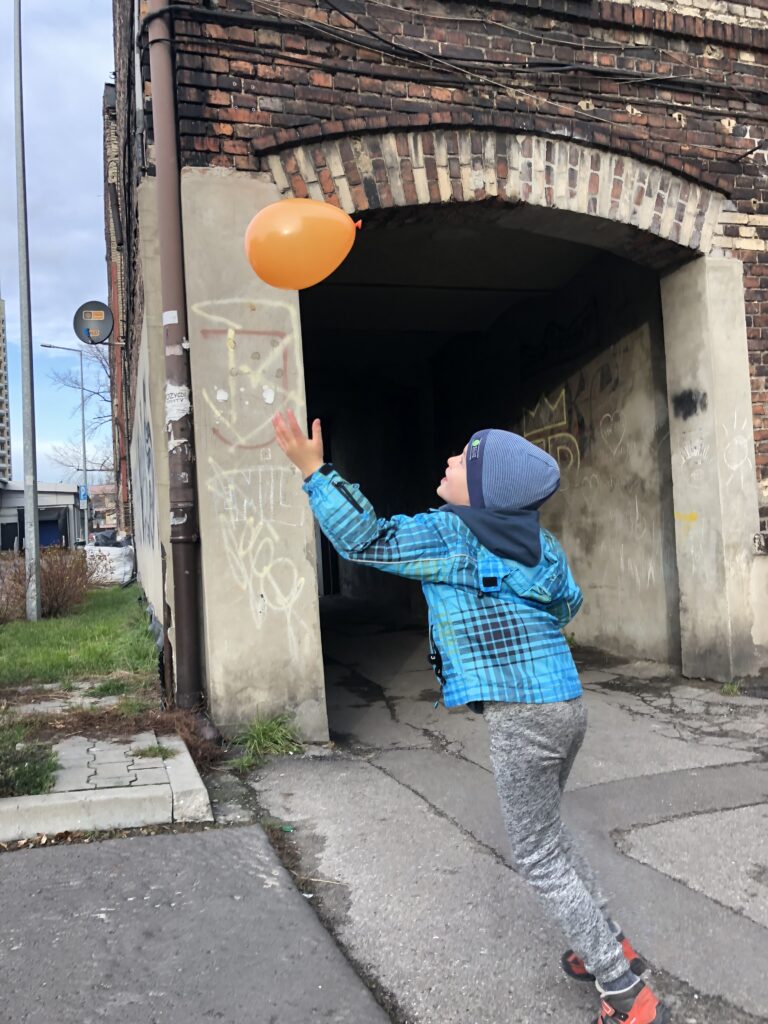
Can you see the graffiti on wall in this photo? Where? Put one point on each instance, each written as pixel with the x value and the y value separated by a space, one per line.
pixel 546 426
pixel 738 452
pixel 608 453
pixel 256 499
pixel 145 493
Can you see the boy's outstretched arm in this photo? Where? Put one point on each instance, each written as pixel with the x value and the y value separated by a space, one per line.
pixel 414 547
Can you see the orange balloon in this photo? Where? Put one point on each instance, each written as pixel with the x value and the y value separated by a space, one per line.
pixel 295 243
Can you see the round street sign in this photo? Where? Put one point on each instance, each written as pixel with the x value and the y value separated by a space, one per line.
pixel 93 323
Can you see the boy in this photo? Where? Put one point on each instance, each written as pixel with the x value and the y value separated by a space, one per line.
pixel 499 591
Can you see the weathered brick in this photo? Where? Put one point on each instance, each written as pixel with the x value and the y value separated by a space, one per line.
pixel 334 88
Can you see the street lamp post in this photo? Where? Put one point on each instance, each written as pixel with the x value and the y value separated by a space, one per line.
pixel 31 521
pixel 79 351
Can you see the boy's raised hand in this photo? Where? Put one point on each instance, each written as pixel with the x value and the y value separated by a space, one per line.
pixel 303 451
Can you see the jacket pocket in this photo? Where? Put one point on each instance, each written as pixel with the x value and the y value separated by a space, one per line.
pixel 343 488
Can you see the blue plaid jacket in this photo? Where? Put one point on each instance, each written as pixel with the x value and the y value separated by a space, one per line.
pixel 495 624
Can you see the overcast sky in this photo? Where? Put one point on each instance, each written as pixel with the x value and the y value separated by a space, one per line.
pixel 67 50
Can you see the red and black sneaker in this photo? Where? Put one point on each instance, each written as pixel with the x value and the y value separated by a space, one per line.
pixel 574 966
pixel 635 1005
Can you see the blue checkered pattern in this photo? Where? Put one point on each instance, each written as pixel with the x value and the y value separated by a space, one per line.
pixel 496 624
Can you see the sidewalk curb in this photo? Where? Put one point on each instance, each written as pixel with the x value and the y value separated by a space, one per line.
pixel 83 811
pixel 190 797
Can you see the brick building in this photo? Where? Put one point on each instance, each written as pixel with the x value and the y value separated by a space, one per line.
pixel 113 221
pixel 565 231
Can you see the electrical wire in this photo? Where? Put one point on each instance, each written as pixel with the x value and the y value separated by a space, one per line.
pixel 375 42
pixel 388 72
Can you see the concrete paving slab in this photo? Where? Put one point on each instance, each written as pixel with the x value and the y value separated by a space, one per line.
pixel 383 838
pixel 136 763
pixel 655 751
pixel 442 922
pixel 72 746
pixel 74 777
pixel 150 776
pixel 108 756
pixel 705 944
pixel 95 810
pixel 723 854
pixel 174 929
pixel 622 743
pixel 114 781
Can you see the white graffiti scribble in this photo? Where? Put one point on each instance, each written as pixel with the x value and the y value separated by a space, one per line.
pixel 263 368
pixel 256 499
pixel 694 456
pixel 254 511
pixel 738 452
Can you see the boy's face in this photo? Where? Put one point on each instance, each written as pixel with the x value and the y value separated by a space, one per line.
pixel 453 487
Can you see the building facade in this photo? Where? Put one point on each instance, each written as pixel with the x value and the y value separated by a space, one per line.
pixel 113 222
pixel 57 515
pixel 565 233
pixel 104 506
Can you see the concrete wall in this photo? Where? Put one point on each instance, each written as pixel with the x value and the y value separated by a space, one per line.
pixel 261 628
pixel 613 513
pixel 606 423
pixel 149 461
pixel 723 593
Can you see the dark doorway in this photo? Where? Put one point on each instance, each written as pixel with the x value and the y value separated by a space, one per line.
pixel 447 320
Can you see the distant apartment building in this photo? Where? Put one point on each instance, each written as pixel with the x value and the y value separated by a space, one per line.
pixel 5 412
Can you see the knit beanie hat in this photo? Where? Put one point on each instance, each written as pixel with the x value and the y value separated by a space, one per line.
pixel 504 471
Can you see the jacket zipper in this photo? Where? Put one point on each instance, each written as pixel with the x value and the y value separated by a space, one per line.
pixel 342 487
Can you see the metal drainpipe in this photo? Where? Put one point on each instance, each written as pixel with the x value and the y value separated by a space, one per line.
pixel 178 405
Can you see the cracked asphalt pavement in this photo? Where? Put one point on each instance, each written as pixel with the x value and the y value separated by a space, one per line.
pixel 400 830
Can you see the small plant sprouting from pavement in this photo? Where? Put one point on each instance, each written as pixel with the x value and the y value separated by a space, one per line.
pixel 155 750
pixel 263 737
pixel 731 689
pixel 109 688
pixel 26 767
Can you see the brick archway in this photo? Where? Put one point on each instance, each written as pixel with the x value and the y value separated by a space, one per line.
pixel 437 166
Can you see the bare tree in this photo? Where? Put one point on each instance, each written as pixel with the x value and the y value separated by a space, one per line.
pixel 96 387
pixel 100 459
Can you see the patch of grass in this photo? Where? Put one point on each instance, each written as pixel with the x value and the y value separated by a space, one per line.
pixel 264 737
pixel 109 688
pixel 67 686
pixel 130 705
pixel 155 750
pixel 27 767
pixel 107 634
pixel 731 689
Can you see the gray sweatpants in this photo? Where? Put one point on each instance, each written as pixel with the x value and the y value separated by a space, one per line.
pixel 533 747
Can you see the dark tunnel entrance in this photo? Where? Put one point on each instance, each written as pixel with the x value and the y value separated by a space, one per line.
pixel 446 320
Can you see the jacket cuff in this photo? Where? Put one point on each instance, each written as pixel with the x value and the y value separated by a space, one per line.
pixel 325 470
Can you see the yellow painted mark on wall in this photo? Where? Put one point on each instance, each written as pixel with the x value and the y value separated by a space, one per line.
pixel 689 518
